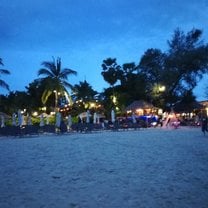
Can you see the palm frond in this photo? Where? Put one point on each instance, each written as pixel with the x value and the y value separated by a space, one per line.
pixel 1 62
pixel 46 94
pixel 68 85
pixel 58 66
pixel 55 77
pixel 45 72
pixel 4 84
pixel 68 96
pixel 4 71
pixel 48 64
pixel 51 66
pixel 67 72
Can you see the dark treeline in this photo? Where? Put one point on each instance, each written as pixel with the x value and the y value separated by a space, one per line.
pixel 163 78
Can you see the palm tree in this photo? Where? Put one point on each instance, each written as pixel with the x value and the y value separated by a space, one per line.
pixel 55 79
pixel 84 91
pixel 111 71
pixel 4 72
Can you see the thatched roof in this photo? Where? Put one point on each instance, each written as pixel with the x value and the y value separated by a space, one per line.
pixel 139 104
pixel 204 103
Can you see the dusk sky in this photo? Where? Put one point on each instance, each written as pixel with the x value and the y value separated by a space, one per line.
pixel 85 32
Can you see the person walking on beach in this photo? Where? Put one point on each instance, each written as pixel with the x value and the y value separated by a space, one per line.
pixel 204 122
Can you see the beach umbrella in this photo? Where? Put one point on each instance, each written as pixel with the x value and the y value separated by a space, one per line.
pixel 88 117
pixel 113 116
pixel 58 119
pixel 80 119
pixel 69 121
pixel 29 120
pixel 95 118
pixel 42 120
pixel 2 121
pixel 98 118
pixel 14 119
pixel 85 115
pixel 47 120
pixel 20 119
pixel 133 118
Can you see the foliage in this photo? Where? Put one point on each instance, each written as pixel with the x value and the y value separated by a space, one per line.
pixel 179 69
pixel 14 101
pixel 133 83
pixel 132 87
pixel 188 59
pixel 83 91
pixel 35 90
pixel 187 103
pixel 3 72
pixel 55 78
pixel 111 71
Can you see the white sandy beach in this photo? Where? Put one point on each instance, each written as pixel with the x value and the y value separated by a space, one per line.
pixel 149 168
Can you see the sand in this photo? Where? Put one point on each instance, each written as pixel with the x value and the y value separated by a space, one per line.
pixel 148 168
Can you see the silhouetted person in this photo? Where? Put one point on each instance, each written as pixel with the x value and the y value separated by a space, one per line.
pixel 204 122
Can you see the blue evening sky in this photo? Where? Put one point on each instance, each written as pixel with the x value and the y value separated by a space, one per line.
pixel 85 32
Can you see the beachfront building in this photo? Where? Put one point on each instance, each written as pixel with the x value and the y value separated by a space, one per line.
pixel 141 107
pixel 205 105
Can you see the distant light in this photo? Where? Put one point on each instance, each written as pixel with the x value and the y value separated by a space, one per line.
pixel 35 113
pixel 161 88
pixel 92 105
pixel 114 99
pixel 43 108
pixel 160 111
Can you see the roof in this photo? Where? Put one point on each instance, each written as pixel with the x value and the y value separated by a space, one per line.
pixel 204 103
pixel 139 104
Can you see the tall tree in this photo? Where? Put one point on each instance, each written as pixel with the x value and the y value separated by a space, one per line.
pixel 180 68
pixel 83 95
pixel 188 59
pixel 111 71
pixel 84 91
pixel 55 78
pixel 35 90
pixel 3 72
pixel 17 100
pixel 132 84
pixel 152 68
